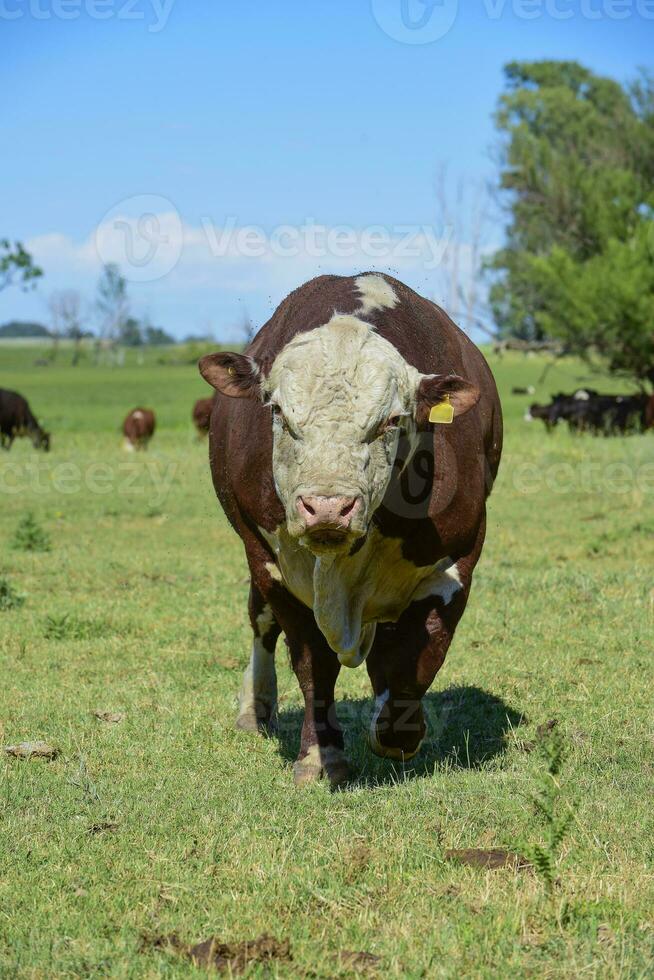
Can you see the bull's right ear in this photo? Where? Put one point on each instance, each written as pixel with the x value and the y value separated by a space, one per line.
pixel 236 375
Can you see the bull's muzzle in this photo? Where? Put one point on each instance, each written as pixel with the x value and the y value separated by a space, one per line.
pixel 327 521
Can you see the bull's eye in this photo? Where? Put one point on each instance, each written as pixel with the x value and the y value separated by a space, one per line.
pixel 278 416
pixel 282 421
pixel 388 425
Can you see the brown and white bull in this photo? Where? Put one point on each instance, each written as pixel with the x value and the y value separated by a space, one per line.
pixel 138 428
pixel 362 520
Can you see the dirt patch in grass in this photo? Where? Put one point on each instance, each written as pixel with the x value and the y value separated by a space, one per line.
pixel 32 750
pixel 110 717
pixel 359 962
pixel 212 954
pixel 488 859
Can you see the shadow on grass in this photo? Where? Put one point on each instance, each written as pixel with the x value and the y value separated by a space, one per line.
pixel 466 727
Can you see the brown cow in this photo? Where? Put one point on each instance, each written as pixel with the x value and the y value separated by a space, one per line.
pixel 138 428
pixel 17 419
pixel 357 440
pixel 202 415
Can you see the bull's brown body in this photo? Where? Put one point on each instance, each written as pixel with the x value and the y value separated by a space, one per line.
pixel 437 512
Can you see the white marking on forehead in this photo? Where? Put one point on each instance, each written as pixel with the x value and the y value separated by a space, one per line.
pixel 343 370
pixel 376 293
pixel 137 415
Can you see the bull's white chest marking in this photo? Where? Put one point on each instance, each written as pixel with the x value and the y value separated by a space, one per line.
pixel 350 595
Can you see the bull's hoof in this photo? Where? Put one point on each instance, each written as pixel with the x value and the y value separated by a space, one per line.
pixel 395 733
pixel 396 752
pixel 328 762
pixel 249 721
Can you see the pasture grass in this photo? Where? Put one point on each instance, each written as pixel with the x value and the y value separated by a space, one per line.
pixel 169 821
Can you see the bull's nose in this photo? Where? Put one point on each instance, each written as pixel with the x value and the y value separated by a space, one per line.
pixel 333 513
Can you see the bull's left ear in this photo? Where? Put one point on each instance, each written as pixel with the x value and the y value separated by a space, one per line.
pixel 436 388
pixel 236 375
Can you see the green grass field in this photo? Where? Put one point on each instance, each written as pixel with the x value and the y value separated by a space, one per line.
pixel 171 822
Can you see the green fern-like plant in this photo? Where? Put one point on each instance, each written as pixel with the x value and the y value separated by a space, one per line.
pixel 30 536
pixel 9 598
pixel 556 813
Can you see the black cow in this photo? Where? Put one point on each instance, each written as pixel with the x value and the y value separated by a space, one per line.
pixel 17 419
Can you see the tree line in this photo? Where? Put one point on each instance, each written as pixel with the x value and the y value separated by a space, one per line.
pixel 70 315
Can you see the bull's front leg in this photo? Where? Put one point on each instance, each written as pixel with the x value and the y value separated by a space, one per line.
pixel 402 664
pixel 316 667
pixel 258 694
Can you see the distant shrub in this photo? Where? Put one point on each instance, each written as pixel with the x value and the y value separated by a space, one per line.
pixel 9 598
pixel 30 536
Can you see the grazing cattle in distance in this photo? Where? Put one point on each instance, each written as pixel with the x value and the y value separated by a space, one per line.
pixel 357 440
pixel 542 412
pixel 519 390
pixel 588 411
pixel 17 419
pixel 630 413
pixel 560 407
pixel 138 428
pixel 202 415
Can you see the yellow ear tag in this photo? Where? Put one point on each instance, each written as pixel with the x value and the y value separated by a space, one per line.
pixel 443 412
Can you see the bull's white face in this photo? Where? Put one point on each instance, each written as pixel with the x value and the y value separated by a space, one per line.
pixel 339 396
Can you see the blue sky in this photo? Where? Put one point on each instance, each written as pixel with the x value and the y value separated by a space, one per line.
pixel 212 115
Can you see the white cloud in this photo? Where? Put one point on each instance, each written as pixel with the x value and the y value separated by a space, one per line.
pixel 187 270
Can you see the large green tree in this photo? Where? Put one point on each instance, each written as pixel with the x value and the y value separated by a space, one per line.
pixel 17 265
pixel 577 178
